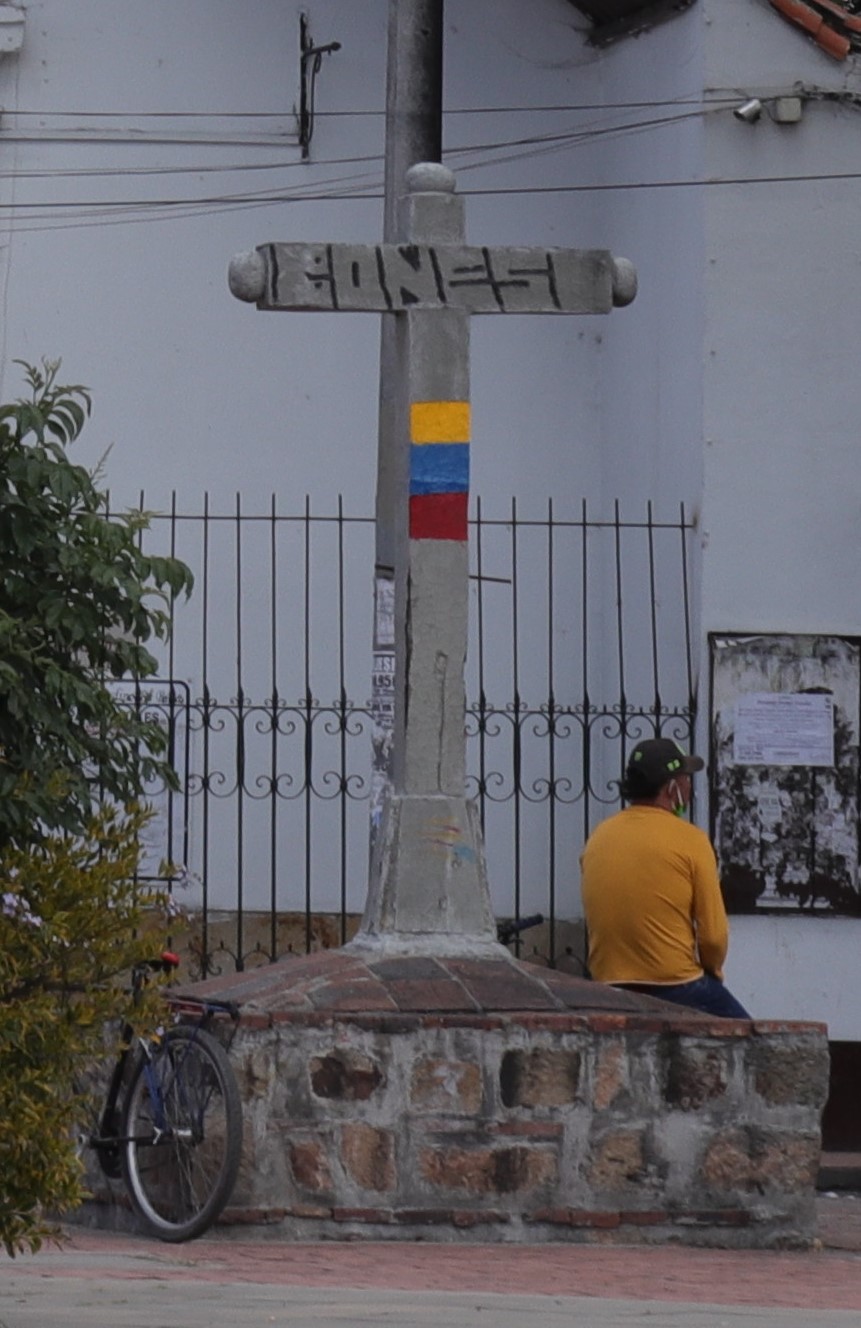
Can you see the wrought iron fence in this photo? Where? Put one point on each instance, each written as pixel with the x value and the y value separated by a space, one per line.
pixel 580 644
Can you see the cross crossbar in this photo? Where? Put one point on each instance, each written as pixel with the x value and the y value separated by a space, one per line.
pixel 394 278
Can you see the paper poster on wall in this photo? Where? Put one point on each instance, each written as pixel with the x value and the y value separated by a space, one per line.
pixel 784 771
pixel 784 728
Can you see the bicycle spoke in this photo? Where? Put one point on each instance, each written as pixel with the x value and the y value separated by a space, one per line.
pixel 183 1124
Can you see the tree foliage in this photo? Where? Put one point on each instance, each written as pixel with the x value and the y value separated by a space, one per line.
pixel 79 601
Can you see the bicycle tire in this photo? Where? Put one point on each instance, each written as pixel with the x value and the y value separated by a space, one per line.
pixel 180 1163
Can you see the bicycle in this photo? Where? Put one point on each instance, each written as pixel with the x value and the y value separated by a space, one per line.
pixel 171 1124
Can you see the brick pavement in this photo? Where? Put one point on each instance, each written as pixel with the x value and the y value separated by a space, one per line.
pixel 825 1278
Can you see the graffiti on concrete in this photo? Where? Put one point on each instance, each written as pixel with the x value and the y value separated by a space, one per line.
pixel 390 278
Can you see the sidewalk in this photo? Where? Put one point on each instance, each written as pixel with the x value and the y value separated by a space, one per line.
pixel 103 1280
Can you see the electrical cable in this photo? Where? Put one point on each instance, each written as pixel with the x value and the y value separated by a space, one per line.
pixel 365 185
pixel 572 135
pixel 729 100
pixel 819 177
pixel 542 143
pixel 211 207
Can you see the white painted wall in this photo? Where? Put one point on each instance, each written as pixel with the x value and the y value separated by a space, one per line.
pixel 191 387
pixel 651 380
pixel 782 398
pixel 192 391
pixel 729 385
pixel 195 390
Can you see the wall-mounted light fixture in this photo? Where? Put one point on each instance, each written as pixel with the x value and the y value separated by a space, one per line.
pixel 749 111
pixel 782 110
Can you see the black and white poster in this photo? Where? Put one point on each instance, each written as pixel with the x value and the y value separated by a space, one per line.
pixel 784 766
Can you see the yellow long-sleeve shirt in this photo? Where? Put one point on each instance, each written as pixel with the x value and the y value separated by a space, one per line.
pixel 652 899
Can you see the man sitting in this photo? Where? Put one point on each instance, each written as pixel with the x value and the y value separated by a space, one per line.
pixel 651 894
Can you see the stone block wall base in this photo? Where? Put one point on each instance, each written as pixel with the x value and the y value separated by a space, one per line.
pixel 618 1128
pixel 449 1098
pixel 730 1229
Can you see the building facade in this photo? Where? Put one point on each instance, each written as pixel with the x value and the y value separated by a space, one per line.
pixel 143 146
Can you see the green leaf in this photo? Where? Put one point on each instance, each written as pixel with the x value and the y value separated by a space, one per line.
pixel 70 578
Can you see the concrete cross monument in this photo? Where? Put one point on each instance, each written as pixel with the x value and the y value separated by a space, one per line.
pixel 428 891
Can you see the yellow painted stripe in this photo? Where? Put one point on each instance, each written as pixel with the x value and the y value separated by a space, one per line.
pixel 439 422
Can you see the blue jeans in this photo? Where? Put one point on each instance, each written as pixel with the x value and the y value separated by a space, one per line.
pixel 706 993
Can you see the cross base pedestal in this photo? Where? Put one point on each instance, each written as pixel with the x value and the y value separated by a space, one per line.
pixel 429 892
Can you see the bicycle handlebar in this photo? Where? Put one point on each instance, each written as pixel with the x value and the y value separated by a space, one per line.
pixel 166 962
pixel 506 931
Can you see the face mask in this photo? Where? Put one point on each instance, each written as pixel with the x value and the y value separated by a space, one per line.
pixel 679 807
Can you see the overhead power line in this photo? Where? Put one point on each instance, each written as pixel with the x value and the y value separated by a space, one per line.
pixel 558 139
pixel 571 134
pixel 103 214
pixel 54 214
pixel 663 104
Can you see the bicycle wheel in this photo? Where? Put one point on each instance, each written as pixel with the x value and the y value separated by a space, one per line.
pixel 182 1135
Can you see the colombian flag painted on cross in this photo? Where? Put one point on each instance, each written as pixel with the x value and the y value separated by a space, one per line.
pixel 439 469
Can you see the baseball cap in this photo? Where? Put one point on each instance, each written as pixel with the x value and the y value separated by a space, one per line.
pixel 659 759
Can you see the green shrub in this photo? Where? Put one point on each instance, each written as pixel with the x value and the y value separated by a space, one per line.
pixel 70 922
pixel 78 603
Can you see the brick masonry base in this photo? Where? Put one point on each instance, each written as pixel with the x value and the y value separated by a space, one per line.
pixel 402 1100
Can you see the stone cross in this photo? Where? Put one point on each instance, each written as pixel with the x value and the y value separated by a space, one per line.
pixel 428 889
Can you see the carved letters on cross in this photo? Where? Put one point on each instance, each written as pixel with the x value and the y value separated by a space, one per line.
pixel 390 278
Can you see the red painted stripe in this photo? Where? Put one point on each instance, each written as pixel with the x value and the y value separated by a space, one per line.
pixel 438 516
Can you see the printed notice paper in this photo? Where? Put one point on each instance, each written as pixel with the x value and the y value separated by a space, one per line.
pixel 784 728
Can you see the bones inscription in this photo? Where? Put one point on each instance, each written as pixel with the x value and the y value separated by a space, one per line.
pixel 390 278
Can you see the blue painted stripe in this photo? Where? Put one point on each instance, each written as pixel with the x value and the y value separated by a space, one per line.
pixel 439 468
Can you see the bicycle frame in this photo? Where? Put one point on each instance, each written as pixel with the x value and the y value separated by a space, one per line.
pixel 108 1139
pixel 156 1084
